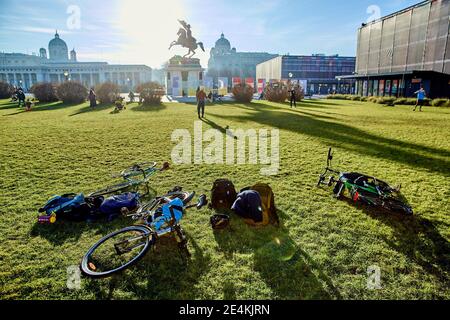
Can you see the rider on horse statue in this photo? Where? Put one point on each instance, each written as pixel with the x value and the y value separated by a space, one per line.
pixel 186 40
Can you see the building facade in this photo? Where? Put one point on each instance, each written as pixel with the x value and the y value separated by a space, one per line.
pixel 317 71
pixel 402 51
pixel 226 62
pixel 25 70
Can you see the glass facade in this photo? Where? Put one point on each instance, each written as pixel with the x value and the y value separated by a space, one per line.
pixel 399 53
pixel 414 39
pixel 319 71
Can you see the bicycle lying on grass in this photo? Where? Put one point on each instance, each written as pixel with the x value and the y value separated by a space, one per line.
pixel 122 249
pixel 365 189
pixel 134 176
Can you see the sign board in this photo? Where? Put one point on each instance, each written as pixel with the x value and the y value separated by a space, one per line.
pixel 223 85
pixel 250 82
pixel 261 85
pixel 236 81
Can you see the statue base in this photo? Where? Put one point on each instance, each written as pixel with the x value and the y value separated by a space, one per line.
pixel 183 76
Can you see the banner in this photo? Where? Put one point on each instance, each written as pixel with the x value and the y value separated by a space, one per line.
pixel 176 90
pixel 250 82
pixel 223 85
pixel 208 83
pixel 261 85
pixel 236 81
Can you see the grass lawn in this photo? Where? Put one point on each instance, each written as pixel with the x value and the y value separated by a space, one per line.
pixel 321 251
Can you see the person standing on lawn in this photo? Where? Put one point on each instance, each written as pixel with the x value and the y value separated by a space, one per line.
pixel 293 100
pixel 21 97
pixel 201 99
pixel 92 98
pixel 421 95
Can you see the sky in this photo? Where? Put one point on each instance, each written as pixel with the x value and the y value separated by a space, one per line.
pixel 140 31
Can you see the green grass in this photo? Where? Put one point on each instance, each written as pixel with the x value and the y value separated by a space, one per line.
pixel 321 251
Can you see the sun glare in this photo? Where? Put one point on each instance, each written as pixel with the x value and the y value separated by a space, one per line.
pixel 149 27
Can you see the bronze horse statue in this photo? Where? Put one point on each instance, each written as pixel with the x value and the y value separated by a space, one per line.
pixel 186 40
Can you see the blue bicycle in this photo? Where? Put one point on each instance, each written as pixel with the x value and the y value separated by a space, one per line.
pixel 121 249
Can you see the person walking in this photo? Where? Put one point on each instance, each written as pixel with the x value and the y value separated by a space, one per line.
pixel 201 98
pixel 21 97
pixel 421 95
pixel 293 100
pixel 92 98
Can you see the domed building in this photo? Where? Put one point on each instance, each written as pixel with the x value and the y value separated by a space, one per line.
pixel 24 70
pixel 225 61
pixel 222 45
pixel 57 49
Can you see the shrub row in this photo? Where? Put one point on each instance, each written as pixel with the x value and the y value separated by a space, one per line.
pixel 74 92
pixel 150 93
pixel 441 102
pixel 6 90
pixel 242 93
pixel 279 92
pixel 67 92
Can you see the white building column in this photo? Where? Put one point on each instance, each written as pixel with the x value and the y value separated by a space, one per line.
pixel 40 77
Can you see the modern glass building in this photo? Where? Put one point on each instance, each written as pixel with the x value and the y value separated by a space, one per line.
pixel 400 52
pixel 318 71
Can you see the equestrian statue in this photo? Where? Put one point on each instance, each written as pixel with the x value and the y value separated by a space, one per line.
pixel 186 40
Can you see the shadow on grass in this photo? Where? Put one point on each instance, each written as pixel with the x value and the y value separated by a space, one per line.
pixel 66 231
pixel 149 108
pixel 87 109
pixel 9 105
pixel 346 137
pixel 288 270
pixel 163 274
pixel 216 126
pixel 51 106
pixel 416 237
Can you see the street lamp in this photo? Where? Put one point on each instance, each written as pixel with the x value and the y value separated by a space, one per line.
pixel 128 83
pixel 66 75
pixel 339 84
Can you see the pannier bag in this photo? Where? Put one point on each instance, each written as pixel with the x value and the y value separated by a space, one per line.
pixel 77 207
pixel 169 215
pixel 112 206
pixel 72 207
pixel 223 194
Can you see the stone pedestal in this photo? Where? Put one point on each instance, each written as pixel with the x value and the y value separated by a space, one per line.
pixel 183 76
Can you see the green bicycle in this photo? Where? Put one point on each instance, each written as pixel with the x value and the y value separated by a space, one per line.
pixel 134 176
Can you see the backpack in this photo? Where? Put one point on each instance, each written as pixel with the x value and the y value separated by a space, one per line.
pixel 223 194
pixel 248 205
pixel 269 211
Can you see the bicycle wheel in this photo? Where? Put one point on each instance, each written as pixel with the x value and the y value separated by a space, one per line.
pixel 117 251
pixel 111 189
